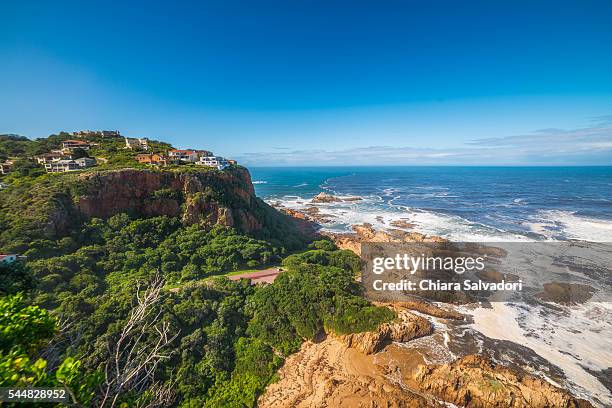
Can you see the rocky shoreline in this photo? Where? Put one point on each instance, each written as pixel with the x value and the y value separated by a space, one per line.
pixel 373 369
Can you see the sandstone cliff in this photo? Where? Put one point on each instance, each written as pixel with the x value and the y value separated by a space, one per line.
pixel 209 197
pixel 59 204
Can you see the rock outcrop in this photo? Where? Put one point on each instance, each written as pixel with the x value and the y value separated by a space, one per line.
pixel 328 374
pixel 402 224
pixel 430 309
pixel 367 233
pixel 328 198
pixel 207 197
pixel 566 293
pixel 406 327
pixel 325 198
pixel 476 382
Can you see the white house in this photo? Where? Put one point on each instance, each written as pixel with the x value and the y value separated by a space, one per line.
pixel 214 161
pixel 103 133
pixel 85 162
pixel 69 145
pixel 137 143
pixel 61 166
pixel 52 157
pixel 183 155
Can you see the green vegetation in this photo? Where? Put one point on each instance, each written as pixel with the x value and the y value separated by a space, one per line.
pixel 25 330
pixel 109 308
pixel 230 337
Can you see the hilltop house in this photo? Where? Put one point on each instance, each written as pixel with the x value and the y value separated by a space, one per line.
pixel 102 133
pixel 53 156
pixel 71 145
pixel 85 162
pixel 137 143
pixel 154 158
pixel 5 167
pixel 189 155
pixel 214 161
pixel 61 166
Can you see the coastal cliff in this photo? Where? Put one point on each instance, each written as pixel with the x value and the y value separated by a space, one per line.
pixel 210 197
pixel 56 205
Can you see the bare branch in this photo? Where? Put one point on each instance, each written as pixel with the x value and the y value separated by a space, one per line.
pixel 141 346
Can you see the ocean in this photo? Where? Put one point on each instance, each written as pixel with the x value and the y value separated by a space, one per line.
pixel 484 204
pixel 458 203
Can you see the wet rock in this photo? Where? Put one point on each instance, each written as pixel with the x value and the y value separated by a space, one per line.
pixel 406 327
pixel 402 224
pixel 566 293
pixel 325 198
pixel 476 382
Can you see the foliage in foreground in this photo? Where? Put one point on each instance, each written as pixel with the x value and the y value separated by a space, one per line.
pixel 25 331
pixel 226 339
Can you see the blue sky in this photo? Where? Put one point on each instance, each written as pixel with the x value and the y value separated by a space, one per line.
pixel 355 82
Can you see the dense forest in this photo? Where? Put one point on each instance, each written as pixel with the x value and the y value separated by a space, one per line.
pixel 132 310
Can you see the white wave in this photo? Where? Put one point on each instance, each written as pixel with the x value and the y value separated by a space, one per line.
pixel 301 185
pixel 571 339
pixel 374 210
pixel 556 224
pixel 260 182
pixel 457 228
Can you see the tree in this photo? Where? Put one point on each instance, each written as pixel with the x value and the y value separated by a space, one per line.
pixel 26 330
pixel 79 153
pixel 142 344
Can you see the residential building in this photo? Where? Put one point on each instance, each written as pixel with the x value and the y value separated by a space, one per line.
pixel 54 156
pixel 137 143
pixel 154 158
pixel 61 166
pixel 183 155
pixel 85 162
pixel 214 161
pixel 70 145
pixel 102 133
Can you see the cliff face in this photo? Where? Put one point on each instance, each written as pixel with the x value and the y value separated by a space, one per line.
pixel 207 197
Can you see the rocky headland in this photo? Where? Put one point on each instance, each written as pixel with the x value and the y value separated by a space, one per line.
pixel 373 369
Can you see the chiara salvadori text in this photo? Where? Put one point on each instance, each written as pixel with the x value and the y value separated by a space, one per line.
pixel 438 285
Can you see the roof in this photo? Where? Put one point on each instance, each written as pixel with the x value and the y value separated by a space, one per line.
pixel 182 151
pixel 52 155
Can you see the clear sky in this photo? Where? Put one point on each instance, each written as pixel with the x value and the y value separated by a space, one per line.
pixel 329 82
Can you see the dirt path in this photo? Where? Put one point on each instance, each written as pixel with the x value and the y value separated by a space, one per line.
pixel 263 276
